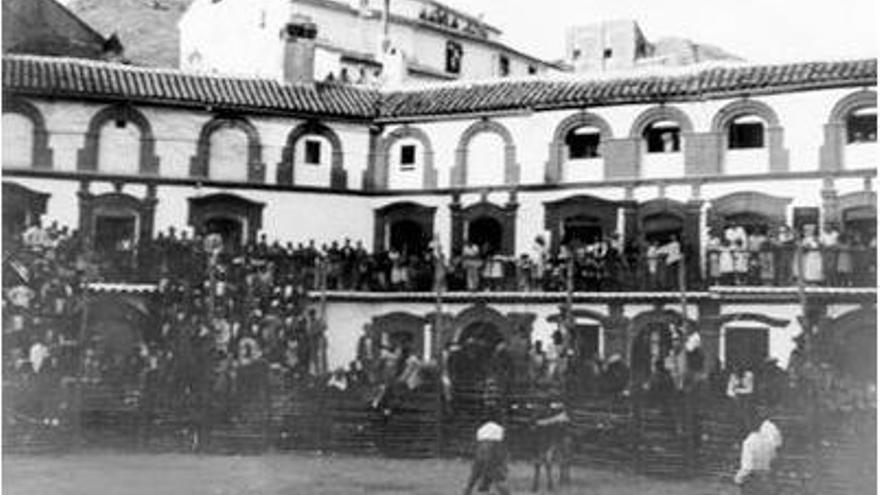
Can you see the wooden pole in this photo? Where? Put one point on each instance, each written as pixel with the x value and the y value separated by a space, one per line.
pixel 83 331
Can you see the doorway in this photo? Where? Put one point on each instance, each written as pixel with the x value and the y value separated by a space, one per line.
pixel 407 236
pixel 580 230
pixel 229 229
pixel 486 233
pixel 114 234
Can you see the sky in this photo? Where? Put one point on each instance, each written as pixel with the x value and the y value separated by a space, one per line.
pixel 757 30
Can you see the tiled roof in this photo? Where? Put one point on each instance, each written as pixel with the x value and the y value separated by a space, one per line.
pixel 545 93
pixel 62 77
pixel 102 80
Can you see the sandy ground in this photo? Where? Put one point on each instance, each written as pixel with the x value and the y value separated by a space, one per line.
pixel 294 474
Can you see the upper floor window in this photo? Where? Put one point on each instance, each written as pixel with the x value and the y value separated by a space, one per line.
pixel 533 70
pixel 746 132
pixel 454 53
pixel 503 66
pixel 407 157
pixel 861 126
pixel 663 137
pixel 313 152
pixel 583 142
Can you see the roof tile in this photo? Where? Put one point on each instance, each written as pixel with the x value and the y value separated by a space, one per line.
pixel 88 78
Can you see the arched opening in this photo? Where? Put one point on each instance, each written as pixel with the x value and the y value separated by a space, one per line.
pixel 581 230
pixel 236 219
pixel 861 125
pixel 583 142
pixel 745 132
pixel 661 227
pixel 751 222
pixel 663 136
pixel 228 154
pixel 230 230
pixel 649 349
pixel 119 144
pixel 474 361
pixel 486 233
pixel 408 236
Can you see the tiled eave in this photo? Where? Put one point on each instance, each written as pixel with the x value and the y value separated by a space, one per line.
pixel 90 80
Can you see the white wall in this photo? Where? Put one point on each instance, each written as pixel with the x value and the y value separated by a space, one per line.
pixel 18 141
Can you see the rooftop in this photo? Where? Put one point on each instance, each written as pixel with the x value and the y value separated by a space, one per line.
pixel 89 79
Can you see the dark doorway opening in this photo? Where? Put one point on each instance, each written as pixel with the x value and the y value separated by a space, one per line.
pixel 650 349
pixel 473 363
pixel 746 347
pixel 407 236
pixel 662 227
pixel 753 223
pixel 861 221
pixel 14 224
pixel 581 230
pixel 114 233
pixel 486 233
pixel 229 229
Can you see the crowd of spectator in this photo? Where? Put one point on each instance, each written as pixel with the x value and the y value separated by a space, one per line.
pixel 827 257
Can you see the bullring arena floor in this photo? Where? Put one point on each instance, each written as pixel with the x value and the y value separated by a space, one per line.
pixel 172 474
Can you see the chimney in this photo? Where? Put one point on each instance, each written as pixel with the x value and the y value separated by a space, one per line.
pixel 298 36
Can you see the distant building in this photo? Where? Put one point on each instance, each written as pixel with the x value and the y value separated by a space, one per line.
pixel 620 45
pixel 45 27
pixel 419 40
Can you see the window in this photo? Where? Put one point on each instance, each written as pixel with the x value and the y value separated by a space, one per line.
pixel 407 157
pixel 313 152
pixel 861 126
pixel 583 142
pixel 746 132
pixel 453 57
pixel 607 53
pixel 533 70
pixel 503 66
pixel 576 54
pixel 663 137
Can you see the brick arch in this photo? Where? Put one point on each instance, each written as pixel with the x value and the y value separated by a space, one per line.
pixel 831 156
pixel 478 313
pixel 429 173
pixel 657 113
pixel 199 166
pixel 87 157
pixel 285 171
pixel 460 170
pixel 778 155
pixel 557 154
pixel 742 107
pixel 638 328
pixel 41 155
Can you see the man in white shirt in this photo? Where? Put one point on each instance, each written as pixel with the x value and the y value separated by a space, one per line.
pixel 490 460
pixel 756 460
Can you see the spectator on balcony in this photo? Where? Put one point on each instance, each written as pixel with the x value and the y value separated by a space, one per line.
pixel 472 263
pixel 652 257
pixel 811 257
pixel 672 250
pixel 539 259
pixel 783 245
pixel 713 260
pixel 36 237
pixel 844 272
pixel 740 261
pixel 829 242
